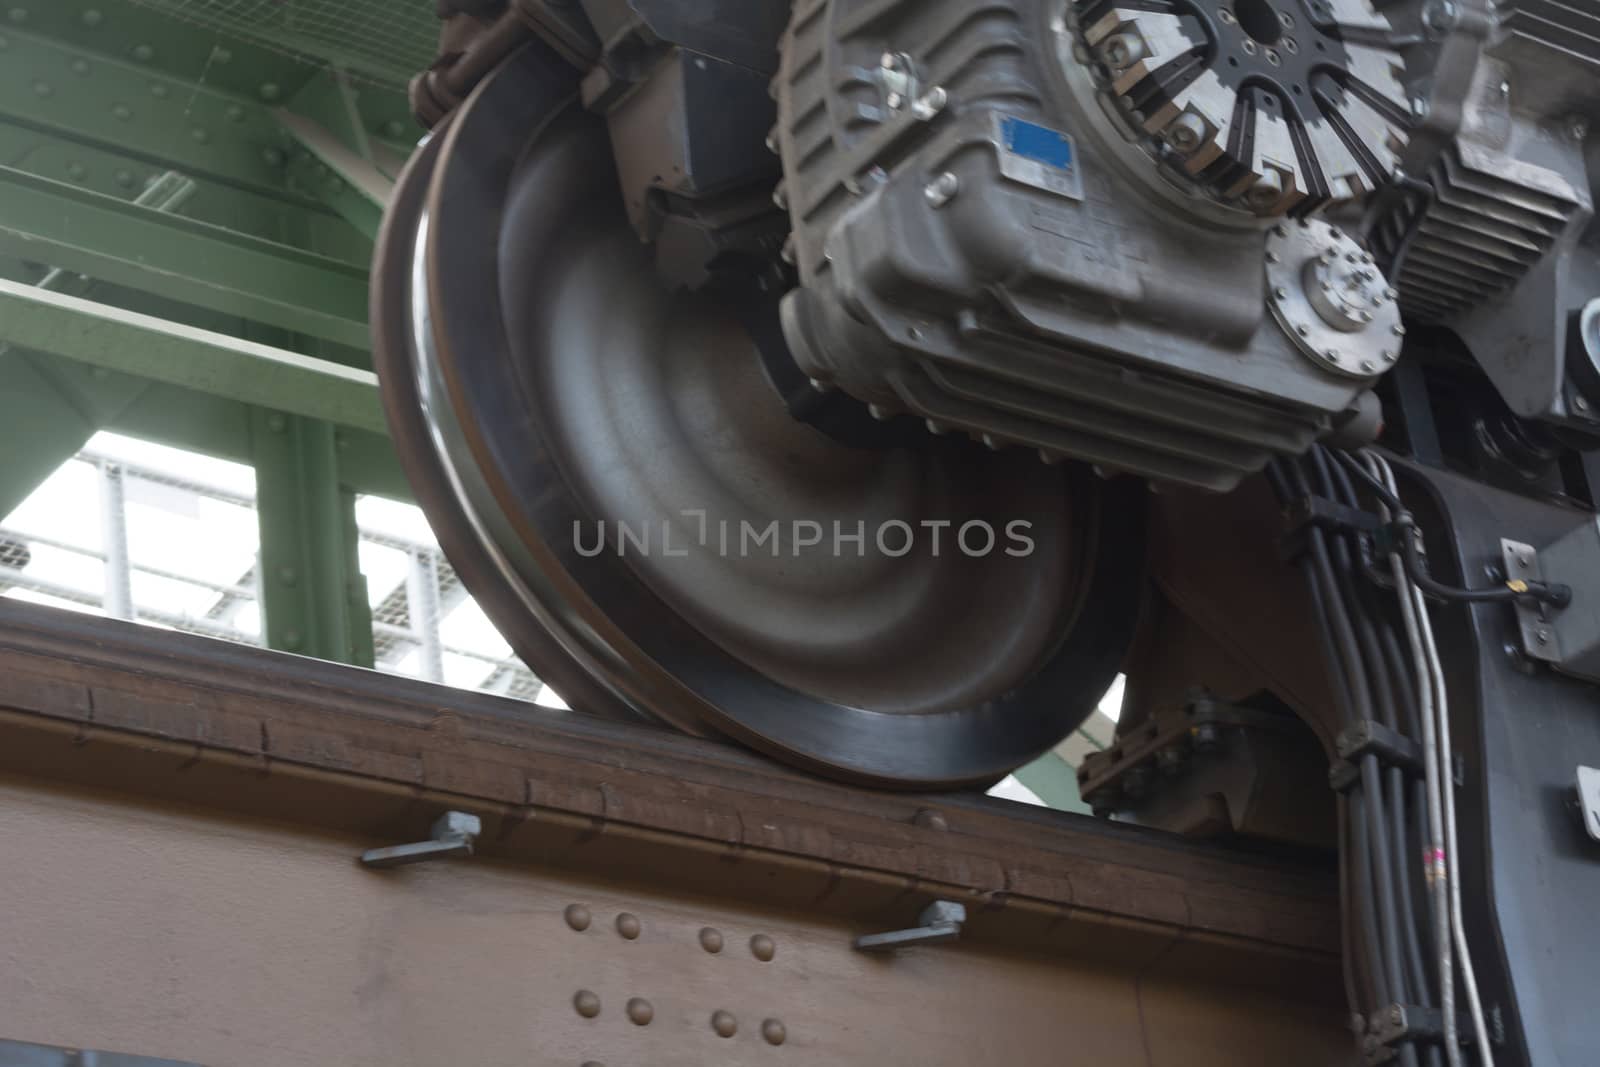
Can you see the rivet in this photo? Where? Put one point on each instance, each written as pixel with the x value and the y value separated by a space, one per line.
pixel 276 423
pixel 272 157
pixel 291 640
pixel 92 17
pixel 1369 366
pixel 42 89
pixel 577 916
pixel 1303 330
pixel 394 128
pixel 235 113
pixel 269 91
pixel 711 939
pixel 124 178
pixel 143 53
pixel 221 55
pixel 1333 355
pixel 199 135
pixel 929 819
pixel 628 926
pixel 587 1003
pixel 1399 331
pixel 288 576
pixel 774 1032
pixel 724 1023
pixel 5 42
pixel 1389 357
pixel 763 948
pixel 159 91
pixel 76 172
pixel 1273 257
pixel 640 1011
pixel 18 15
pixel 1281 292
pixel 79 66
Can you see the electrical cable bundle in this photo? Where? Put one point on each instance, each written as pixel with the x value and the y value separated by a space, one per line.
pixel 1405 944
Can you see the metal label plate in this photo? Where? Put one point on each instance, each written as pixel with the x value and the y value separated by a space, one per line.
pixel 1038 156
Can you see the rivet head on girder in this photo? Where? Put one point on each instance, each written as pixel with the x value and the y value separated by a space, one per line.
pixel 629 926
pixel 724 1023
pixel 199 135
pixel 272 157
pixel 269 91
pixel 5 42
pixel 929 819
pixel 587 1003
pixel 763 948
pixel 774 1032
pixel 159 91
pixel 92 17
pixel 124 178
pixel 221 55
pixel 292 640
pixel 144 53
pixel 42 89
pixel 18 15
pixel 711 939
pixel 79 66
pixel 577 917
pixel 394 128
pixel 76 171
pixel 235 113
pixel 640 1011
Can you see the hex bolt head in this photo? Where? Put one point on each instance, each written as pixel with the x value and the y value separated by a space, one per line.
pixel 942 190
pixel 1123 50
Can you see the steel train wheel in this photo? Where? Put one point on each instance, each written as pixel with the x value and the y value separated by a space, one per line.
pixel 540 382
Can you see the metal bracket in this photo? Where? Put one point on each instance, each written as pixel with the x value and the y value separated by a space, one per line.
pixel 1589 799
pixel 941 921
pixel 453 835
pixel 1569 639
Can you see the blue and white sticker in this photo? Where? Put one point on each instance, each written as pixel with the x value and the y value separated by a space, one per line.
pixel 1038 156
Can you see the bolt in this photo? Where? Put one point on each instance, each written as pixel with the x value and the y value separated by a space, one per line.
pixel 942 190
pixel 1272 57
pixel 773 1032
pixel 1579 130
pixel 629 926
pixel 76 172
pixel 1391 293
pixel 1281 292
pixel 1187 132
pixel 1123 50
pixel 1333 356
pixel 1369 366
pixel 91 18
pixel 1205 737
pixel 221 56
pixel 640 1011
pixel 1273 257
pixel 199 135
pixel 780 198
pixel 1440 16
pixel 711 940
pixel 577 917
pixel 931 103
pixel 938 429
pixel 235 113
pixel 1226 16
pixel 586 1003
pixel 1303 330
pixel 896 101
pixel 1266 192
pixel 1249 48
pixel 1580 403
pixel 124 178
pixel 763 948
pixel 1388 356
pixel 1399 330
pixel 269 91
pixel 888 61
pixel 42 89
pixel 1419 107
pixel 1291 46
pixel 1542 636
pixel 143 53
pixel 159 91
pixel 724 1024
pixel 79 66
pixel 879 412
pixel 1365 316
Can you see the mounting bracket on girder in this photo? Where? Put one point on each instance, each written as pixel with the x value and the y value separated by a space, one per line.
pixel 941 921
pixel 453 834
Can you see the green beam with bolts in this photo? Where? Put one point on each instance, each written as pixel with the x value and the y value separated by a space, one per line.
pixel 163 351
pixel 115 241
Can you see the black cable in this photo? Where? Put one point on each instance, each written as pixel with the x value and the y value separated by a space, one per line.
pixel 1556 595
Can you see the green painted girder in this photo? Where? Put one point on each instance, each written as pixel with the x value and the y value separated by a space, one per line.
pixel 160 350
pixel 112 240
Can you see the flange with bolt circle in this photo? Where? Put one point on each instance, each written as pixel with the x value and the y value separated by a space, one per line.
pixel 1331 299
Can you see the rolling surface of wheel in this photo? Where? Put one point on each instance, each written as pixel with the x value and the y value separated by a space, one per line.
pixel 617 481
